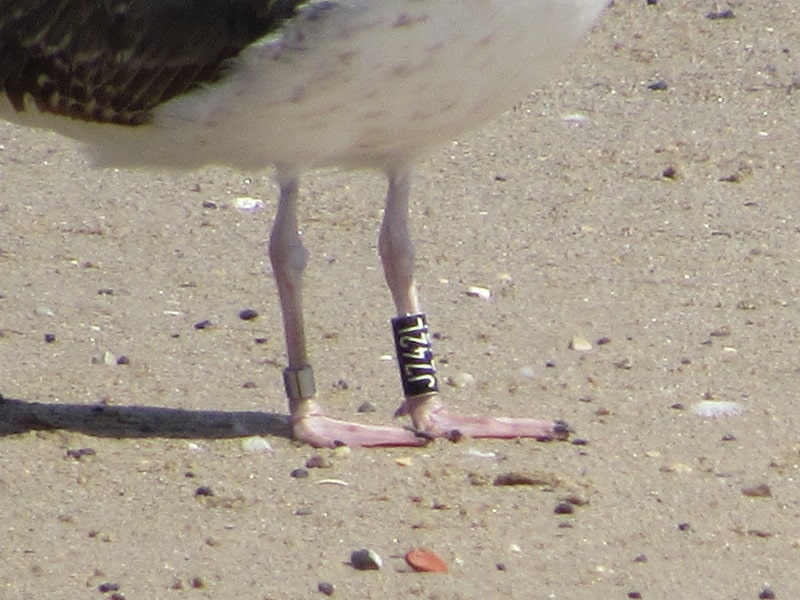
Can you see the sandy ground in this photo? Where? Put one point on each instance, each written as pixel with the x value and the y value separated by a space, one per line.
pixel 662 222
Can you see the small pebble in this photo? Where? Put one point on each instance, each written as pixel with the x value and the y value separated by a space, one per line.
pixel 299 473
pixel 318 462
pixel 108 587
pixel 657 86
pixel 634 595
pixel 325 588
pixel 49 337
pixel 79 453
pixel 762 490
pixel 640 558
pixel 720 14
pixel 367 407
pixel 425 561
pixel 477 291
pixel 247 204
pixel 248 314
pixel 256 445
pixel 203 490
pixel 460 379
pixel 766 593
pixel 123 360
pixel 684 526
pixel 342 452
pixel 711 409
pixel 564 508
pixel 365 560
pixel 580 344
pixel 204 324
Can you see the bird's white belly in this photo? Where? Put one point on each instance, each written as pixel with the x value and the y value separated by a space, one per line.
pixel 360 83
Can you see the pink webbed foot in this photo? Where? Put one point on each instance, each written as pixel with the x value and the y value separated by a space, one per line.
pixel 313 427
pixel 432 419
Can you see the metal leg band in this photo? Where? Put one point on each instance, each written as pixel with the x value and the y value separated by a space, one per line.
pixel 414 355
pixel 299 383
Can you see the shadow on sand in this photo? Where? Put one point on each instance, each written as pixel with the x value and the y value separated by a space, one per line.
pixel 18 416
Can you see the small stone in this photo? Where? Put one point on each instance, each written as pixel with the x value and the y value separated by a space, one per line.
pixel 720 14
pixel 580 344
pixel 684 526
pixel 204 324
pixel 299 473
pixel 108 587
pixel 657 86
pixel 326 588
pixel 564 508
pixel 318 462
pixel 477 291
pixel 640 558
pixel 256 445
pixel 342 452
pixel 203 490
pixel 247 204
pixel 460 379
pixel 367 407
pixel 123 360
pixel 248 314
pixel 365 560
pixel 49 337
pixel 762 490
pixel 303 511
pixel 766 593
pixel 634 595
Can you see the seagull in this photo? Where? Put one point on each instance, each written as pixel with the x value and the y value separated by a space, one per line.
pixel 295 85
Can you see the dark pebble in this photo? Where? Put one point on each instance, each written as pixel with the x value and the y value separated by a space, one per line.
pixel 640 558
pixel 657 86
pixel 123 360
pixel 720 14
pixel 634 594
pixel 260 340
pixel 105 292
pixel 367 407
pixel 49 337
pixel 670 172
pixel 79 453
pixel 248 314
pixel 204 490
pixel 678 406
pixel 684 526
pixel 365 560
pixel 728 437
pixel 325 588
pixel 108 587
pixel 580 442
pixel 303 511
pixel 500 566
pixel 564 508
pixel 767 593
pixel 204 324
pixel 603 341
pixel 299 473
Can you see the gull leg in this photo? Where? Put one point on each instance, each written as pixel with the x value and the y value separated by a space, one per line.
pixel 415 358
pixel 289 259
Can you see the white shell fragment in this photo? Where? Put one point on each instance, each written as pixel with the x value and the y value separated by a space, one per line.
pixel 256 445
pixel 580 344
pixel 247 204
pixel 477 291
pixel 711 409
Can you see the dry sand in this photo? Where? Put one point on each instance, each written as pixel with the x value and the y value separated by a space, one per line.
pixel 663 222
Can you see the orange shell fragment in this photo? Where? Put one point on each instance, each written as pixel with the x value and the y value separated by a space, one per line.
pixel 420 559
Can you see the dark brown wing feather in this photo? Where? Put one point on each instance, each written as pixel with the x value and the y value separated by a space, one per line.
pixel 114 60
